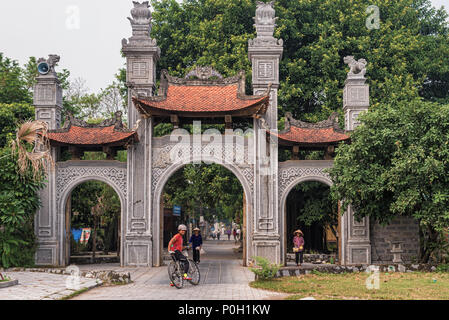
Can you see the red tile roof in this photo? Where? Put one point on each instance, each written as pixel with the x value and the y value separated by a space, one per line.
pixel 311 134
pixel 202 97
pixel 91 136
pixel 110 132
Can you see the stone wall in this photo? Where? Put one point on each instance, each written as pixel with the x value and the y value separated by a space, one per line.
pixel 403 229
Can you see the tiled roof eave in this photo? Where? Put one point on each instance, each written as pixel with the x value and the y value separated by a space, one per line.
pixel 259 106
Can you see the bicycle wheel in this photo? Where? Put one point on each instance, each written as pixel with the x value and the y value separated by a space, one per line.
pixel 175 275
pixel 194 273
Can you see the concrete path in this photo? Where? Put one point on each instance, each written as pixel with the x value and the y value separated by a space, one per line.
pixel 42 286
pixel 222 278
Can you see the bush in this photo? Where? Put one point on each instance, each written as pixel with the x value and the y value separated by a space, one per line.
pixel 265 270
pixel 18 204
pixel 443 267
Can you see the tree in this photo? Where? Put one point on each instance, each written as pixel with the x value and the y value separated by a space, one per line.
pixel 11 116
pixel 408 55
pixel 205 190
pixel 22 170
pixel 13 85
pixel 397 165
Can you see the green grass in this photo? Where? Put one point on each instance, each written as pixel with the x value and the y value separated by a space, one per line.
pixel 76 293
pixel 393 286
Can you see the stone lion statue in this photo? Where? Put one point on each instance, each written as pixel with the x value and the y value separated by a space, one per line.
pixel 355 67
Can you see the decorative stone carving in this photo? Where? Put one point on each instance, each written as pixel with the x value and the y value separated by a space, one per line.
pixel 203 73
pixel 331 122
pixel 66 176
pixel 162 160
pixel 141 19
pixel 355 93
pixel 265 22
pixel 52 61
pixel 357 69
pixel 288 175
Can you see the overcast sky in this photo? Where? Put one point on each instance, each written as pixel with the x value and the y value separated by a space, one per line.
pixel 86 34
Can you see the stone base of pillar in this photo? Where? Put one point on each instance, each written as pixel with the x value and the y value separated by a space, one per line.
pixel 358 253
pixel 267 246
pixel 138 252
pixel 47 254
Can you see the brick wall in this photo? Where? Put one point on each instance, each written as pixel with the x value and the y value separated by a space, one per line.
pixel 403 228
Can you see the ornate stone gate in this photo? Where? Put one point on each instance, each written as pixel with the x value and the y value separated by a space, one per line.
pixel 204 95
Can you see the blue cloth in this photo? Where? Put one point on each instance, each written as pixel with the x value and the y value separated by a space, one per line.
pixel 77 234
pixel 196 241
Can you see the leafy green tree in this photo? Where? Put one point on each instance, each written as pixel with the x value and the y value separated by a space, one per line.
pixel 18 204
pixel 397 165
pixel 13 85
pixel 211 191
pixel 11 115
pixel 408 55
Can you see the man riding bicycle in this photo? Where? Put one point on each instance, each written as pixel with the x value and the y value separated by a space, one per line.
pixel 175 247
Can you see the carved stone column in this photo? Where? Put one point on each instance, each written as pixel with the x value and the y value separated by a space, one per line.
pixel 47 100
pixel 356 244
pixel 356 92
pixel 265 53
pixel 356 239
pixel 142 54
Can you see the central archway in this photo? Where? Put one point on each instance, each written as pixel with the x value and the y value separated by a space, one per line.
pixel 157 205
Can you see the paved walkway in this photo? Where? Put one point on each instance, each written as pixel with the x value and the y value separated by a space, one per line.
pixel 222 278
pixel 41 286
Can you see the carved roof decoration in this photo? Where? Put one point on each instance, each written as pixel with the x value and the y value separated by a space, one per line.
pixel 110 132
pixel 308 134
pixel 203 92
pixel 265 23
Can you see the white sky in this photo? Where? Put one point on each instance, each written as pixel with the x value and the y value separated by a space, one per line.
pixel 92 51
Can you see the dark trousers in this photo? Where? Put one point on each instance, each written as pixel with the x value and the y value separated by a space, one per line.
pixel 182 258
pixel 299 257
pixel 196 255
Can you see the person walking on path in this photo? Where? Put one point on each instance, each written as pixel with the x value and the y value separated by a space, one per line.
pixel 234 233
pixel 218 234
pixel 238 234
pixel 298 247
pixel 228 232
pixel 176 247
pixel 197 242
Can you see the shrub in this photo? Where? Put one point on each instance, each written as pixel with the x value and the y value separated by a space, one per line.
pixel 18 204
pixel 443 267
pixel 265 270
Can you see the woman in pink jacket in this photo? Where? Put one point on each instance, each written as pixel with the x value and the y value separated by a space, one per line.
pixel 298 246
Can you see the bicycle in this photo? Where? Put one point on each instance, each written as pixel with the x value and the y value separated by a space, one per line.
pixel 176 272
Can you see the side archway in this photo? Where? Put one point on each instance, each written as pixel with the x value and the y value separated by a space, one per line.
pixel 294 181
pixel 73 177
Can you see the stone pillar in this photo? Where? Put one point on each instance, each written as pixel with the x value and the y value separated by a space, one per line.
pixel 356 92
pixel 356 244
pixel 265 53
pixel 47 100
pixel 142 54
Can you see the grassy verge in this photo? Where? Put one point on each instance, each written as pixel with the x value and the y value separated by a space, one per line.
pixel 76 293
pixel 393 286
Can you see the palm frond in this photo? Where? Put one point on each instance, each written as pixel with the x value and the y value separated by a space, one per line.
pixel 32 135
